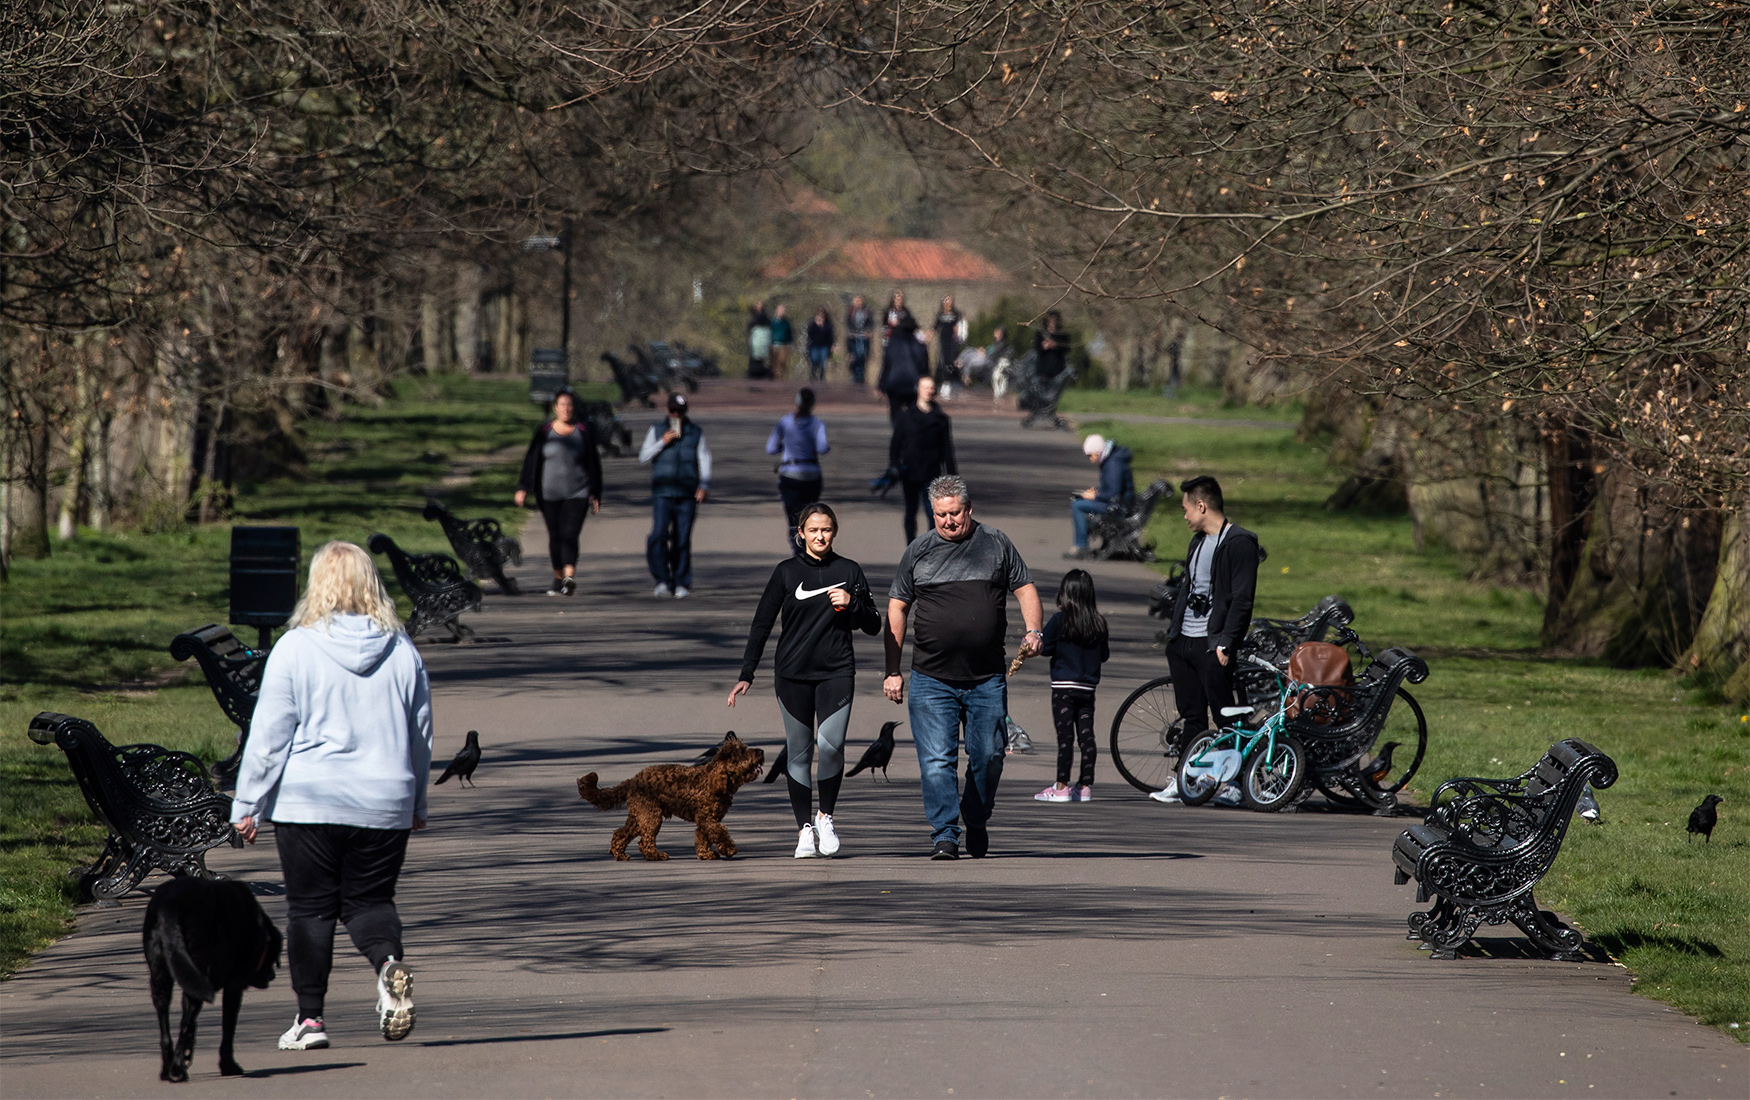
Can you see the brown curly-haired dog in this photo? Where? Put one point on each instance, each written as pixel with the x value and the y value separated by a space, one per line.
pixel 698 793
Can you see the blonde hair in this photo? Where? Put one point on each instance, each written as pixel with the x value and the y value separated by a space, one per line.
pixel 344 579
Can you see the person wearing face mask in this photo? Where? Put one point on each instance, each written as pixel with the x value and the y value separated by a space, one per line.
pixel 822 599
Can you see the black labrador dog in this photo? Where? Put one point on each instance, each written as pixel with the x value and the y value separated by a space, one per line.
pixel 206 937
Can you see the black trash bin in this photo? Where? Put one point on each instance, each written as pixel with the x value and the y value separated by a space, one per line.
pixel 264 577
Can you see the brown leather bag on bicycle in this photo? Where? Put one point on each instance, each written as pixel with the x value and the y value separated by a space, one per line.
pixel 1325 668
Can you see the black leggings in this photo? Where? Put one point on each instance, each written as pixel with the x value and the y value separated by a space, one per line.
pixel 1073 711
pixel 564 525
pixel 803 703
pixel 342 872
pixel 915 495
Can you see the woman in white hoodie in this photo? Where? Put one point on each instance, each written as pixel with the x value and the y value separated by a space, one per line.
pixel 338 754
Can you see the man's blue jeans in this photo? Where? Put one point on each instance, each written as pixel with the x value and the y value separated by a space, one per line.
pixel 1079 511
pixel 669 549
pixel 938 712
pixel 857 347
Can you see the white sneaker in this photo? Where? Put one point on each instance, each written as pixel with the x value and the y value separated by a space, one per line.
pixel 1169 793
pixel 305 1035
pixel 805 848
pixel 825 837
pixel 395 1000
pixel 1229 795
pixel 681 592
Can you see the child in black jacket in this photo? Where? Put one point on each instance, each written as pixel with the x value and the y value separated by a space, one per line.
pixel 1076 641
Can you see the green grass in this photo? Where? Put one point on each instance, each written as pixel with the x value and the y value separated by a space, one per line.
pixel 1200 401
pixel 87 629
pixel 1676 914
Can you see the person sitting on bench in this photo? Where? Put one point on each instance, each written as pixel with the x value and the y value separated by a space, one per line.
pixel 1117 489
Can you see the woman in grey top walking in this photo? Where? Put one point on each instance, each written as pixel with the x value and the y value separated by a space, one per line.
pixel 563 471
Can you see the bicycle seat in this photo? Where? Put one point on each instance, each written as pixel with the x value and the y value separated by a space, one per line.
pixel 1231 712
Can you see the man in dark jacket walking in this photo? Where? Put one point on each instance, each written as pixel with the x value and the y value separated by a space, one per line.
pixel 1211 613
pixel 680 479
pixel 922 449
pixel 1117 489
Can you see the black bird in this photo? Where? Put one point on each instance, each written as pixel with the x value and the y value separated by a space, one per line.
pixel 780 765
pixel 1704 817
pixel 879 754
pixel 462 767
pixel 710 754
pixel 1381 765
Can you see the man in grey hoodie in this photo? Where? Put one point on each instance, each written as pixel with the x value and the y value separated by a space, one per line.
pixel 338 756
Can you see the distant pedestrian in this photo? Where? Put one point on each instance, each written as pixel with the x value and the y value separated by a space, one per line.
pixel 821 338
pixel 950 338
pixel 759 341
pixel 680 480
pixel 798 440
pixel 1117 489
pixel 562 470
pixel 859 334
pixel 904 358
pixel 955 582
pixel 1076 639
pixel 922 449
pixel 1210 616
pixel 338 757
pixel 824 600
pixel 783 338
pixel 1051 345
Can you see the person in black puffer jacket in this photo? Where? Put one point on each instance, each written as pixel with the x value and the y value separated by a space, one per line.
pixel 823 598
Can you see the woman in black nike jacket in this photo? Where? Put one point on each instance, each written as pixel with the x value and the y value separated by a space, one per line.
pixel 823 599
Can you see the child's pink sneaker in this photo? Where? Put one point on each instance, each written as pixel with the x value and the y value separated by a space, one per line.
pixel 1082 794
pixel 1053 793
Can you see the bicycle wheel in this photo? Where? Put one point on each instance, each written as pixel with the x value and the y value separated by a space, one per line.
pixel 1273 775
pixel 1145 736
pixel 1195 792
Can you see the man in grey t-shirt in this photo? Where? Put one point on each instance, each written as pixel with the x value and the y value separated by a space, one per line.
pixel 953 583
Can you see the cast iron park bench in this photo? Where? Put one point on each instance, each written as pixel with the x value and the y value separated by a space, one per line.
pixel 1339 726
pixel 1121 534
pixel 481 544
pixel 161 812
pixel 1486 842
pixel 233 671
pixel 435 584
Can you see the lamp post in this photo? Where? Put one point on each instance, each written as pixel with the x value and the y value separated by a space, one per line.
pixel 561 243
pixel 550 368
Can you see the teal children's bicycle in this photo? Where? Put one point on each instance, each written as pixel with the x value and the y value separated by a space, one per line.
pixel 1269 764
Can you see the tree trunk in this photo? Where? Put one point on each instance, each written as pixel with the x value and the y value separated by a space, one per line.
pixel 1720 654
pixel 78 438
pixel 468 278
pixel 435 348
pixel 1572 485
pixel 101 475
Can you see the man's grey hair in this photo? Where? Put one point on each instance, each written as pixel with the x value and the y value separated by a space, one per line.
pixel 948 485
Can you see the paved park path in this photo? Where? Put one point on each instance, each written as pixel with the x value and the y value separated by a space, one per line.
pixel 1118 948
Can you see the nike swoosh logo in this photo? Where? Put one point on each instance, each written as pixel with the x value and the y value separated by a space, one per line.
pixel 805 593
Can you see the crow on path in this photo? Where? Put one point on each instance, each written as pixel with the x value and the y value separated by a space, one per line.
pixel 878 755
pixel 462 767
pixel 1704 817
pixel 1381 765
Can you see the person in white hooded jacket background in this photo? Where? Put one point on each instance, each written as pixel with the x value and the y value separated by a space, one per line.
pixel 338 756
